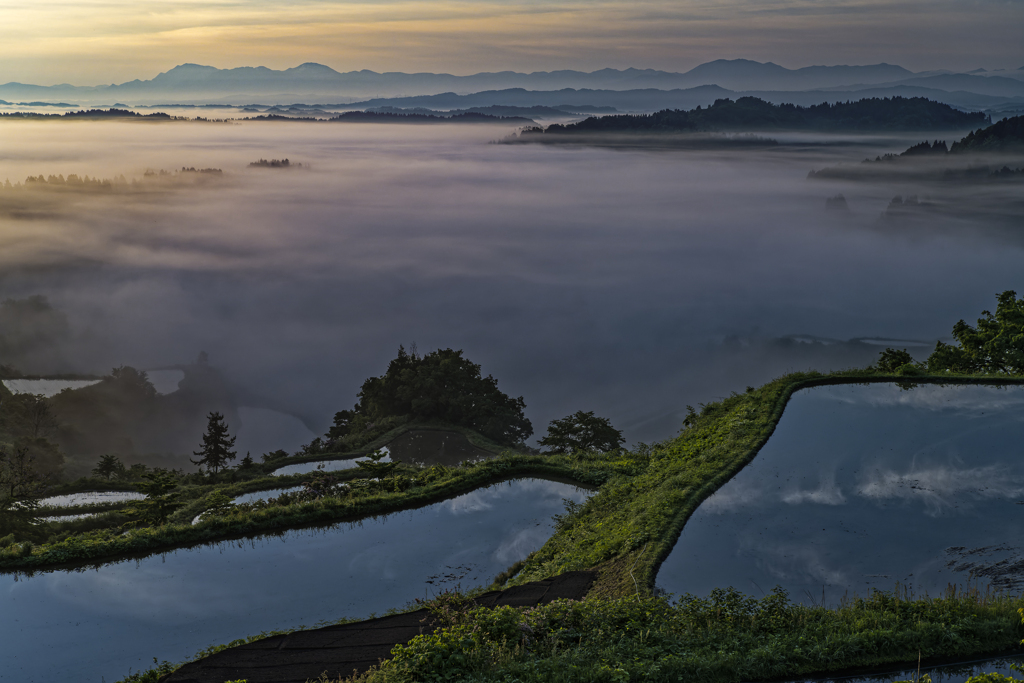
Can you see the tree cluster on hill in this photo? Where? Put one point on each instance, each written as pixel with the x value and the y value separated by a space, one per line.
pixel 1003 136
pixel 752 113
pixel 274 163
pixel 112 113
pixel 74 182
pixel 936 161
pixel 441 386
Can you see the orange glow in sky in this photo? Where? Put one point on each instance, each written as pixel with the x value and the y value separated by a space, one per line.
pixel 89 42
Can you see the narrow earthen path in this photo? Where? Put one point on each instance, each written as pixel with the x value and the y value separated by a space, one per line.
pixel 340 651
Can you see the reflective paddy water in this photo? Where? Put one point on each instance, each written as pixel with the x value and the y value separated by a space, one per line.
pixel 91 498
pixel 325 465
pixel 45 387
pixel 861 487
pixel 101 622
pixel 263 495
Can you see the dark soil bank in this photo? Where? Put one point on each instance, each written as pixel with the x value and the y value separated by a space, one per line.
pixel 340 651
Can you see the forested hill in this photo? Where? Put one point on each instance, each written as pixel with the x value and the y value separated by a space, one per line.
pixel 751 113
pixel 87 114
pixel 1003 136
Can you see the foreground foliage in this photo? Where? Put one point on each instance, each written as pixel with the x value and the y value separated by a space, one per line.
pixel 725 637
pixel 995 345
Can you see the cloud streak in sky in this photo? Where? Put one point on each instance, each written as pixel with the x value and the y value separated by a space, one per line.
pixel 89 43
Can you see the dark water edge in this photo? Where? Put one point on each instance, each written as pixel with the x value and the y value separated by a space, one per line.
pixel 949 672
pixel 99 623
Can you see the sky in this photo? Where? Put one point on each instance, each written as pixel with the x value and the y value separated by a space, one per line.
pixel 92 42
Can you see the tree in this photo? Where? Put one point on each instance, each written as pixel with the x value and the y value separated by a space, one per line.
pixel 110 467
pixel 161 499
pixel 996 345
pixel 21 481
pixel 443 386
pixel 216 450
pixel 581 431
pixel 892 360
pixel 373 466
pixel 274 455
pixel 218 503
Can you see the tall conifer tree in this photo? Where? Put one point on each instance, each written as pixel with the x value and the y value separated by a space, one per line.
pixel 217 445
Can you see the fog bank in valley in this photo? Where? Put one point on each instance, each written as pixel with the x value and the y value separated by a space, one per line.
pixel 631 283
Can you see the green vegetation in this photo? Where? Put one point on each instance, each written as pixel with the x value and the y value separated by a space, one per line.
pixel 996 345
pixel 581 432
pixel 439 386
pixel 726 637
pixel 751 113
pixel 216 449
pixel 624 531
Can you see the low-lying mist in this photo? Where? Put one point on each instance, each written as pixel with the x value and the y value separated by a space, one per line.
pixel 631 283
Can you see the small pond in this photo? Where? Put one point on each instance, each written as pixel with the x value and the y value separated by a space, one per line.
pixel 861 487
pixel 99 623
pixel 90 498
pixel 326 465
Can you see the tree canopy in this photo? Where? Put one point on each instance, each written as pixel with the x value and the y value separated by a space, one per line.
pixel 995 345
pixel 443 386
pixel 216 449
pixel 581 431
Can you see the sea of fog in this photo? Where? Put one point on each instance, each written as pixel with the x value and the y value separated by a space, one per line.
pixel 630 283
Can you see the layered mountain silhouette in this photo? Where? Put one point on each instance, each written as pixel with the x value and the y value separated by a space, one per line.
pixel 310 82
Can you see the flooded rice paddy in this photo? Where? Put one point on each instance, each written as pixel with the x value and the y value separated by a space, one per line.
pixel 45 387
pixel 325 465
pixel 101 622
pixel 863 487
pixel 90 498
pixel 263 495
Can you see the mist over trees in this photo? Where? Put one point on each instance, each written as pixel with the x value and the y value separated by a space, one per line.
pixel 1003 136
pixel 752 113
pixel 30 331
pixel 112 113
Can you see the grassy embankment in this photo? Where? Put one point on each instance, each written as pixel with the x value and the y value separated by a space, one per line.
pixel 101 539
pixel 629 527
pixel 622 633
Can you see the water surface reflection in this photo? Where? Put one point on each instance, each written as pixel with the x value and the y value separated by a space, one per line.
pixel 861 487
pixel 122 615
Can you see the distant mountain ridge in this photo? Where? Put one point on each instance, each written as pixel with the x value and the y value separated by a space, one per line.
pixel 316 82
pixel 625 89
